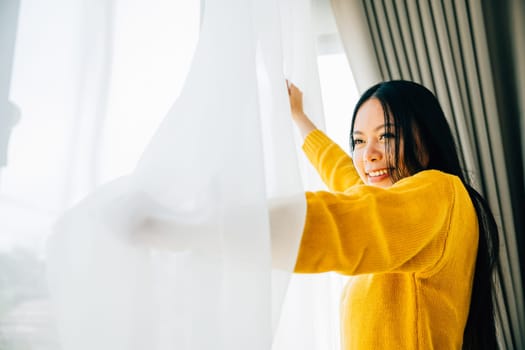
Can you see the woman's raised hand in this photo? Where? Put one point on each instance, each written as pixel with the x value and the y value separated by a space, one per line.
pixel 300 118
pixel 296 100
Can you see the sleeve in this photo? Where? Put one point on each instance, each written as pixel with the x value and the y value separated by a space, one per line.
pixel 372 230
pixel 332 163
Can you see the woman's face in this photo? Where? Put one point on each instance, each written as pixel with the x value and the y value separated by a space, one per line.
pixel 371 137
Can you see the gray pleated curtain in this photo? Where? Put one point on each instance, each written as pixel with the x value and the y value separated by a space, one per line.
pixel 462 51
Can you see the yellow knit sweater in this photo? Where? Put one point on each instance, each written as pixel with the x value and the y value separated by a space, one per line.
pixel 411 250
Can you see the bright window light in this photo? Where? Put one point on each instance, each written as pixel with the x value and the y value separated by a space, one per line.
pixel 339 93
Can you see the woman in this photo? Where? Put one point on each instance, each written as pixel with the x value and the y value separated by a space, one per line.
pixel 402 219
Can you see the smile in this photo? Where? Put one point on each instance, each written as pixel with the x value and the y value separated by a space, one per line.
pixel 376 173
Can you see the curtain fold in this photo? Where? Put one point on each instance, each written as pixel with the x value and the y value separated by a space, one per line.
pixel 8 111
pixel 449 47
pixel 357 42
pixel 93 79
pixel 177 253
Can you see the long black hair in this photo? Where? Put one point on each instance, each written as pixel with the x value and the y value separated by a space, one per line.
pixel 417 118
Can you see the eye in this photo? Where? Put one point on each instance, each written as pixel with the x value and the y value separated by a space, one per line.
pixel 357 142
pixel 386 136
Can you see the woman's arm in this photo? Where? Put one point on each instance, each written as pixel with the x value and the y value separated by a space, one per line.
pixel 333 164
pixel 287 216
pixel 170 235
pixel 139 220
pixel 300 118
pixel 372 230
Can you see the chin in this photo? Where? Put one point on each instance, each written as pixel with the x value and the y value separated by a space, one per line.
pixel 384 182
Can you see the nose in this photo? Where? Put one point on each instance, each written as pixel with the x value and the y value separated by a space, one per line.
pixel 373 152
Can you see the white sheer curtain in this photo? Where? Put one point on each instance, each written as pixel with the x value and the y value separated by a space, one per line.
pixel 221 151
pixel 204 169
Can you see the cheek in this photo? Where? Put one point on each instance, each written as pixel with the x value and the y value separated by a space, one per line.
pixel 355 156
pixel 358 163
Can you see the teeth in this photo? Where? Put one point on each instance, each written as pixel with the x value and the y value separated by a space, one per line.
pixel 378 173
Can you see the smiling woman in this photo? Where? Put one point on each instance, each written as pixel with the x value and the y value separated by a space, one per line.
pixel 372 138
pixel 402 219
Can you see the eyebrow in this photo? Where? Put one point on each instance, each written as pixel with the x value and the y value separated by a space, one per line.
pixel 375 129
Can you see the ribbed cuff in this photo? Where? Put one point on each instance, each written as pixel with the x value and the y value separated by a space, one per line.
pixel 314 141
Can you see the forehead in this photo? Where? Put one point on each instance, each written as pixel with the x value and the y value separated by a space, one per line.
pixel 369 116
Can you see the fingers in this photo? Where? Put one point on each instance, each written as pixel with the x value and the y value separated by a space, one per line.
pixel 292 89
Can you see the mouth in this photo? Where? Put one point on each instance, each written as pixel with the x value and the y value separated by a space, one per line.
pixel 377 172
pixel 378 175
